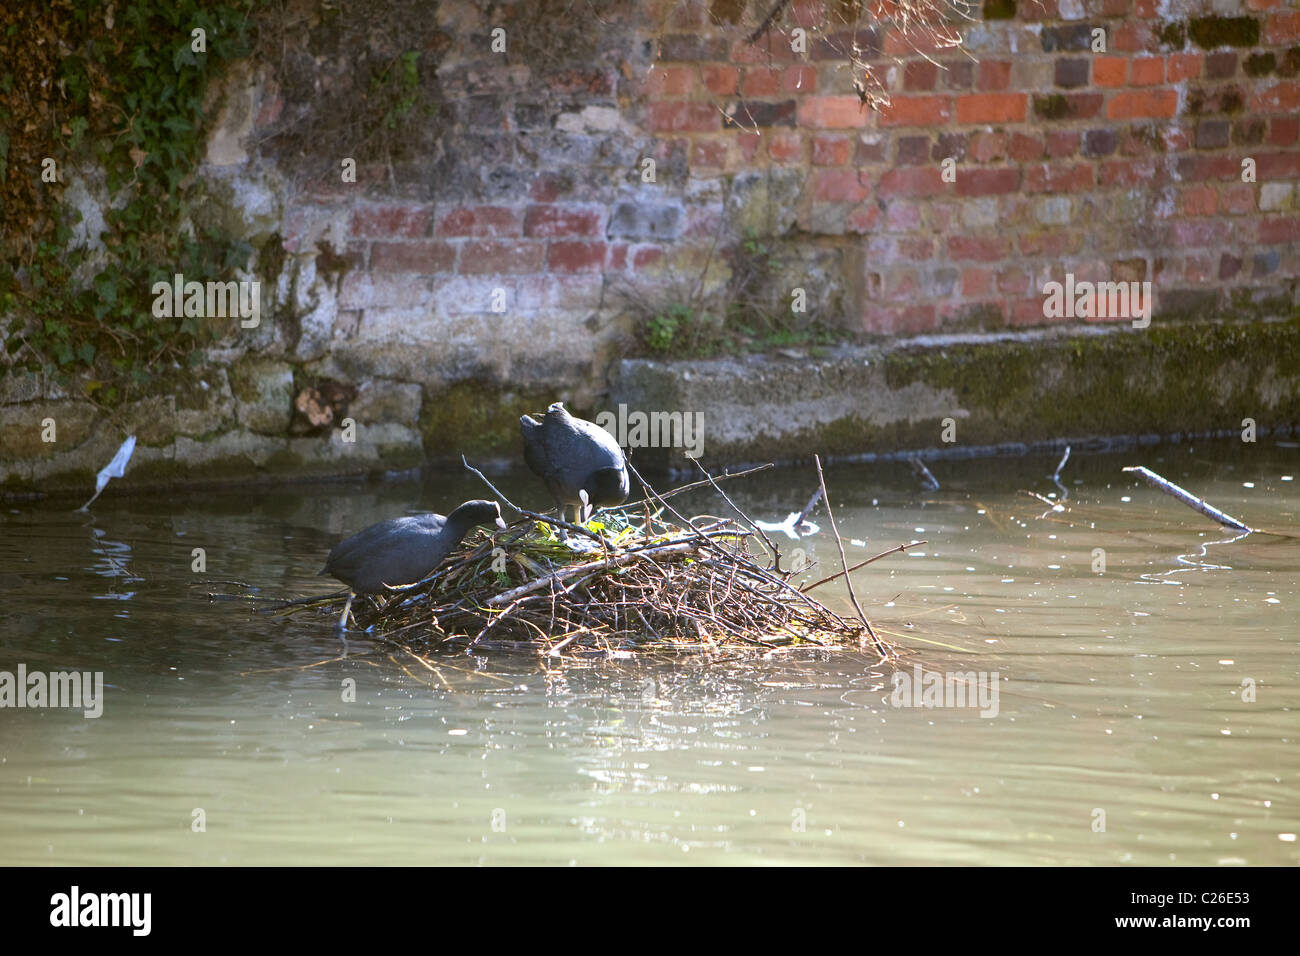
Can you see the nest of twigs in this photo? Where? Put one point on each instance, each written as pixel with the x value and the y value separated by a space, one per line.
pixel 629 580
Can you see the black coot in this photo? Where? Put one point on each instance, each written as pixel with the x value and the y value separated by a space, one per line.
pixel 580 462
pixel 403 550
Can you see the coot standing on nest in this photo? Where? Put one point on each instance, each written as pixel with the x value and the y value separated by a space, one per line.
pixel 403 550
pixel 580 462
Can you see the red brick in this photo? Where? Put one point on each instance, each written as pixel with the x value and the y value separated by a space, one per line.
pixel 916 248
pixel 976 282
pixel 575 255
pixel 913 181
pixel 919 75
pixel 710 153
pixel 490 256
pixel 1283 28
pixel 913 41
pixel 1109 71
pixel 423 257
pixel 761 81
pixel 408 222
pixel 841 185
pixel 479 221
pixel 1184 66
pixel 831 150
pixel 548 187
pixel 645 256
pixel 670 80
pixel 1127 172
pixel 1280 230
pixel 1062 143
pixel 1274 166
pixel 994 75
pixel 1025 147
pixel 992 108
pixel 916 318
pixel 1153 104
pixel 720 80
pixel 1239 200
pixel 988 182
pixel 1199 201
pixel 549 222
pixel 978 248
pixel 916 111
pixel 800 78
pixel 771 46
pixel 1283 130
pixel 987 147
pixel 1134 37
pixel 1200 232
pixel 903 216
pixel 862 220
pixel 1147 71
pixel 681 117
pixel 1042 178
pixel 1036 10
pixel 1281 97
pixel 1194 168
pixel 1052 243
pixel 1030 312
pixel 616 258
pixel 1146 9
pixel 1262 4
pixel 1013 281
pixel 785 147
pixel 832 112
pixel 749 144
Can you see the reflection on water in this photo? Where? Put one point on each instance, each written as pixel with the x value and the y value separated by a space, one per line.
pixel 1147 664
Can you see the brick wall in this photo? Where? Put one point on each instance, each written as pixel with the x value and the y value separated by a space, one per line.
pixel 1125 164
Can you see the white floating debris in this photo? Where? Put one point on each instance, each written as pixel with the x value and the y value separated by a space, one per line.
pixel 114 469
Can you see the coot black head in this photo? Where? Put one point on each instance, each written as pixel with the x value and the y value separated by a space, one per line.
pixel 580 462
pixel 404 550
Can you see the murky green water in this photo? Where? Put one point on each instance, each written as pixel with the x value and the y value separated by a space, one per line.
pixel 1120 693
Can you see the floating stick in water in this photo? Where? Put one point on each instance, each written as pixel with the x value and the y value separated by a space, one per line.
pixel 1187 498
pixel 114 469
pixel 931 483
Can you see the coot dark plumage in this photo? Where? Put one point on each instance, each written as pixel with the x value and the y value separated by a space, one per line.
pixel 403 550
pixel 580 462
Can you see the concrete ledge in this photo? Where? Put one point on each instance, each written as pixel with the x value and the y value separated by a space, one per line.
pixel 1035 388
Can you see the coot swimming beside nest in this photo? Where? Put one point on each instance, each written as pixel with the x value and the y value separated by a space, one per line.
pixel 580 462
pixel 403 550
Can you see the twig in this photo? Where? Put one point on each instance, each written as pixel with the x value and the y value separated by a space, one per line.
pixel 694 484
pixel 1187 498
pixel 862 564
pixel 490 485
pixel 807 509
pixel 931 483
pixel 768 21
pixel 776 552
pixel 1056 475
pixel 845 561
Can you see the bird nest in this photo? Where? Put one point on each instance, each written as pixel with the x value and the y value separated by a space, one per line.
pixel 629 580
